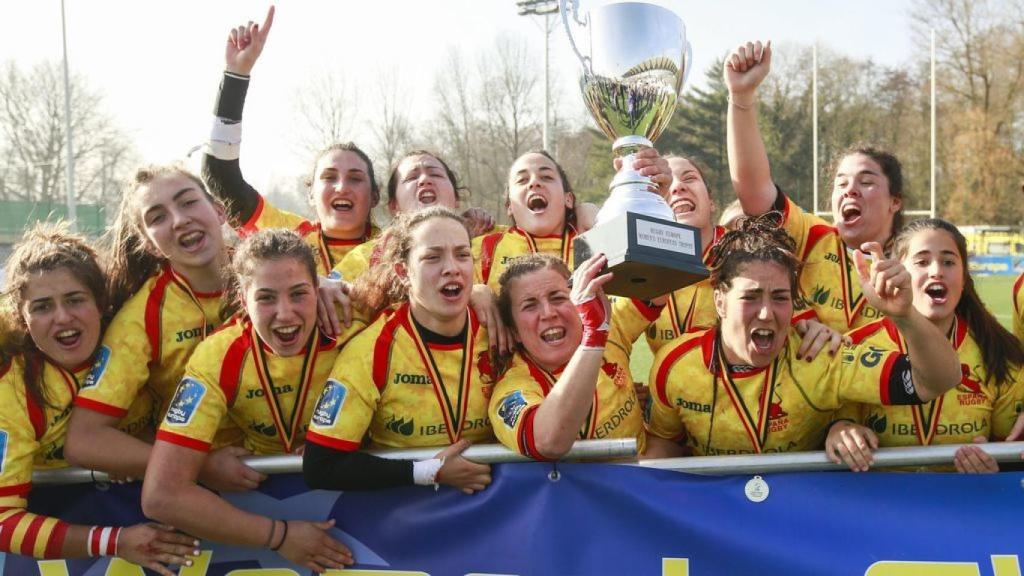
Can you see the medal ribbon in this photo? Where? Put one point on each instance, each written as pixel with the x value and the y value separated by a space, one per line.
pixel 325 249
pixel 757 431
pixel 681 324
pixel 850 309
pixel 926 426
pixel 285 432
pixel 566 248
pixel 454 415
pixel 184 285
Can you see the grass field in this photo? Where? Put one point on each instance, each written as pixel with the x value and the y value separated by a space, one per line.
pixel 994 291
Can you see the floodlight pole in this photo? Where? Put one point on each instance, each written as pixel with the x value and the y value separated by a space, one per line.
pixel 72 211
pixel 543 8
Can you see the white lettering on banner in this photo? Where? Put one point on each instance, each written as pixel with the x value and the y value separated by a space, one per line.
pixel 665 237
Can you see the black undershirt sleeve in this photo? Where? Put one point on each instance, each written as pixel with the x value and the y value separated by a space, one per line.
pixel 901 383
pixel 325 468
pixel 224 177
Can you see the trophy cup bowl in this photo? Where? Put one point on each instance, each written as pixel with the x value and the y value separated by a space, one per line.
pixel 635 61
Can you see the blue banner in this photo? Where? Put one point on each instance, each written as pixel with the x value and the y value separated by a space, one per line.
pixel 996 265
pixel 593 519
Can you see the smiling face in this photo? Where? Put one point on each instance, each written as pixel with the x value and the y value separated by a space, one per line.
pixel 280 298
pixel 181 223
pixel 688 196
pixel 862 206
pixel 342 194
pixel 422 181
pixel 546 321
pixel 537 197
pixel 439 270
pixel 755 312
pixel 62 317
pixel 937 272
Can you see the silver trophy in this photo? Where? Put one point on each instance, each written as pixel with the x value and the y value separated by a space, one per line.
pixel 635 60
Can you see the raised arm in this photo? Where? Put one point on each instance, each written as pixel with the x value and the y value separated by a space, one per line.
pixel 744 70
pixel 221 169
pixel 935 367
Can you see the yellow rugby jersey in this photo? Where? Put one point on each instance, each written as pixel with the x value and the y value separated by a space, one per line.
pixel 1018 307
pixel 783 407
pixel 828 281
pixel 615 412
pixel 329 251
pixel 148 344
pixel 32 436
pixel 234 376
pixel 405 392
pixel 493 252
pixel 973 408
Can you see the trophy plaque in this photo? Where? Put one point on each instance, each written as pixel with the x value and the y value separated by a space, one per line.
pixel 635 60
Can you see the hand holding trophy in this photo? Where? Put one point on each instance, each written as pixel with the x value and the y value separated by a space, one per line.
pixel 635 63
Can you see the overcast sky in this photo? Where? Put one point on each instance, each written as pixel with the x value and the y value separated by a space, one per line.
pixel 158 62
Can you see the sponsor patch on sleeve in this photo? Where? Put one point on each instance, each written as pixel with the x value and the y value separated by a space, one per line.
pixel 329 405
pixel 98 368
pixel 511 407
pixel 186 400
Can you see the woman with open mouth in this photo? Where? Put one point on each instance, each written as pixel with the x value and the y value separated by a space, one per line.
pixel 165 266
pixel 260 373
pixel 867 200
pixel 419 376
pixel 342 186
pixel 56 296
pixel 983 406
pixel 569 378
pixel 738 388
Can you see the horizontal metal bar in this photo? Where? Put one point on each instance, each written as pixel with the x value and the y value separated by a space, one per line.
pixel 809 461
pixel 483 453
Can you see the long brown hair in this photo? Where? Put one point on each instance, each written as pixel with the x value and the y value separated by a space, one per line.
pixel 381 287
pixel 130 259
pixel 268 244
pixel 892 169
pixel 999 348
pixel 45 247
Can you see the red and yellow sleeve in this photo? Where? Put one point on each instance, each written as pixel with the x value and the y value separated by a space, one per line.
pixel 512 408
pixel 121 369
pixel 863 373
pixel 21 532
pixel 663 419
pixel 1008 405
pixel 630 320
pixel 269 216
pixel 347 404
pixel 199 404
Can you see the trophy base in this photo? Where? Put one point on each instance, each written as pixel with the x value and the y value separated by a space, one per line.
pixel 648 256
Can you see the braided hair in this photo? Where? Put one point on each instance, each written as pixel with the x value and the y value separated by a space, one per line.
pixel 755 239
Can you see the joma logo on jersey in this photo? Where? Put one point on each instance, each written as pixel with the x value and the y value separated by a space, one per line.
pixel 191 333
pixel 329 405
pixel 402 378
pixel 186 399
pixel 259 393
pixel 695 406
pixel 96 374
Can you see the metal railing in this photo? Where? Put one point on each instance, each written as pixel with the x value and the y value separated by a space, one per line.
pixel 619 449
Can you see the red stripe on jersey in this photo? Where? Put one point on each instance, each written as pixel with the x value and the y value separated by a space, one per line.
pixel 56 540
pixel 382 348
pixel 661 378
pixel 866 331
pixel 814 235
pixel 16 490
pixel 231 369
pixel 884 381
pixel 180 440
pixel 487 248
pixel 102 408
pixel 1016 288
pixel 28 540
pixel 328 442
pixel 378 251
pixel 539 375
pixel 527 439
pixel 249 226
pixel 5 367
pixel 154 308
pixel 305 228
pixel 894 333
pixel 649 312
pixel 7 528
pixel 808 314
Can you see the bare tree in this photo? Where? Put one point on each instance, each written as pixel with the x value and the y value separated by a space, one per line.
pixel 32 137
pixel 325 110
pixel 390 126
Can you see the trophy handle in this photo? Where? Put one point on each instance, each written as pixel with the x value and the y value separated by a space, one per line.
pixel 565 8
pixel 687 62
